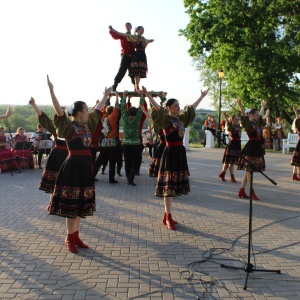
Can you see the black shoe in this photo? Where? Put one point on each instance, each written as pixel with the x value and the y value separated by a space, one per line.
pixel 113 181
pixel 96 179
pixel 131 182
pixel 40 167
pixel 119 174
pixel 102 172
pixel 137 173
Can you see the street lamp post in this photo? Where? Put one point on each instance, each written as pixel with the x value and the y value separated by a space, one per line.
pixel 221 75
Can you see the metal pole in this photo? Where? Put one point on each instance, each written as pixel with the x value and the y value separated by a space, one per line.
pixel 219 126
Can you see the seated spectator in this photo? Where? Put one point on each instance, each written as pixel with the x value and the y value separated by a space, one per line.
pixel 8 160
pixel 23 154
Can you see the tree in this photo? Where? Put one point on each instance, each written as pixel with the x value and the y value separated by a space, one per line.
pixel 256 44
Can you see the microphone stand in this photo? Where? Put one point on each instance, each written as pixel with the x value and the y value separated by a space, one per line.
pixel 249 268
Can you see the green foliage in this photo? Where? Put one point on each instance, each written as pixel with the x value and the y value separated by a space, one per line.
pixel 255 43
pixel 23 116
pixel 196 132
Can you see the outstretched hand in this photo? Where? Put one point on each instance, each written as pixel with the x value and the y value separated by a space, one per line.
pixel 31 101
pixel 263 103
pixel 8 111
pixel 125 93
pixel 49 83
pixel 204 93
pixel 107 91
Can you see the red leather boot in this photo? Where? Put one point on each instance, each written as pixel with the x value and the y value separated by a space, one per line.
pixel 232 178
pixel 242 193
pixel 295 177
pixel 165 218
pixel 254 197
pixel 170 223
pixel 77 241
pixel 69 242
pixel 222 176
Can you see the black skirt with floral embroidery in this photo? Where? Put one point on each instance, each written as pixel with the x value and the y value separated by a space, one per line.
pixel 74 190
pixel 173 175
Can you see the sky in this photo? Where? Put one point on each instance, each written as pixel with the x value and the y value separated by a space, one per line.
pixel 69 40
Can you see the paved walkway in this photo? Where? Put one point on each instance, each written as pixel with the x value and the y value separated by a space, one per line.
pixel 133 256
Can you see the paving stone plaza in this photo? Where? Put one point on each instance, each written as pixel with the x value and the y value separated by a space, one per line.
pixel 132 255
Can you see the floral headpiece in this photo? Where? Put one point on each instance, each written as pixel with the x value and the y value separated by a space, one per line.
pixel 70 109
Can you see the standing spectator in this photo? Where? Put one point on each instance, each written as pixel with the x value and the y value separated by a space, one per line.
pixel 268 132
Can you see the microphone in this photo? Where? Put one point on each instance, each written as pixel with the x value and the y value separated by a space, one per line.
pixel 212 130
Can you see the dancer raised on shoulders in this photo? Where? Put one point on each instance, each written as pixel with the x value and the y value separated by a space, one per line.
pixel 127 52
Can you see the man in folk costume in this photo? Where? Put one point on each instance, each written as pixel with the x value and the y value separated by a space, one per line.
pixel 127 52
pixel 108 144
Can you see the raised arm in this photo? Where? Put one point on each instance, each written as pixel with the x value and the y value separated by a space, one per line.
pixel 102 102
pixel 115 33
pixel 153 102
pixel 117 103
pixel 202 95
pixel 239 102
pixel 267 113
pixel 56 105
pixel 8 113
pixel 34 106
pixel 263 105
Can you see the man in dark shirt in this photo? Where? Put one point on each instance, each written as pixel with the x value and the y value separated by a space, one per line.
pixel 126 55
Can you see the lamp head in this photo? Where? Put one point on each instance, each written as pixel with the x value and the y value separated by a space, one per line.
pixel 221 74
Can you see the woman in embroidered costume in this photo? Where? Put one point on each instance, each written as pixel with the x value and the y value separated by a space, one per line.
pixel 268 133
pixel 295 162
pixel 155 162
pixel 278 132
pixel 24 156
pixel 74 190
pixel 233 150
pixel 138 67
pixel 173 175
pixel 8 161
pixel 252 158
pixel 57 155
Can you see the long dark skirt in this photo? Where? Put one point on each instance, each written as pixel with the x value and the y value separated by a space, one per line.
pixel 155 163
pixel 232 153
pixel 55 160
pixel 173 175
pixel 296 156
pixel 74 190
pixel 138 66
